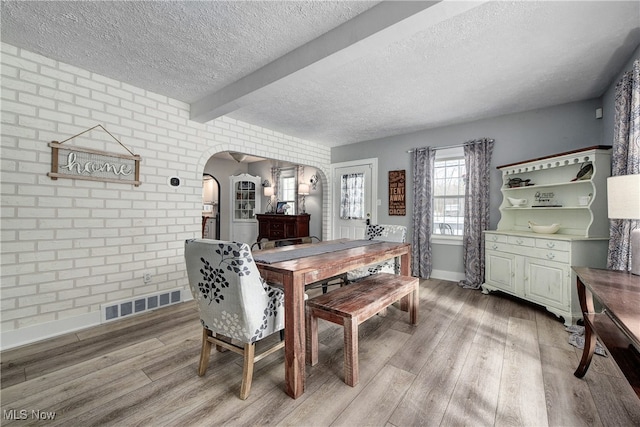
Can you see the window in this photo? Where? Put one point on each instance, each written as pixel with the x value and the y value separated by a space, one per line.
pixel 448 193
pixel 288 189
pixel 352 196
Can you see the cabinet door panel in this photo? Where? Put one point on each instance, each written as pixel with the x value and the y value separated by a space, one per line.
pixel 547 282
pixel 500 270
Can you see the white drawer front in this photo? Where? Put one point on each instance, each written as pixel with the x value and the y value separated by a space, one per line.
pixel 558 245
pixel 495 238
pixel 521 241
pixel 501 247
pixel 549 255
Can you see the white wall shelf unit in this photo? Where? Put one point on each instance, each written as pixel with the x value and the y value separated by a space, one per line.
pixel 537 267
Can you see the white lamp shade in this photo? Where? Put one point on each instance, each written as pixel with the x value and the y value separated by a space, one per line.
pixel 623 195
pixel 268 191
pixel 303 189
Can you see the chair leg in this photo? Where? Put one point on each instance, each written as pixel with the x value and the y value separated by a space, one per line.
pixel 205 352
pixel 247 374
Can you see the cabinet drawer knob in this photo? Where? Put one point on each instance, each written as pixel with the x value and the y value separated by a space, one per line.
pixel 494 238
pixel 551 244
pixel 551 255
pixel 494 246
pixel 519 241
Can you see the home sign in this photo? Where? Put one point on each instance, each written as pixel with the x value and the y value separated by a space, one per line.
pixel 93 165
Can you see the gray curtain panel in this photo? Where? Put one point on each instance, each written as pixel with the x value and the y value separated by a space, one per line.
pixel 477 159
pixel 625 160
pixel 423 161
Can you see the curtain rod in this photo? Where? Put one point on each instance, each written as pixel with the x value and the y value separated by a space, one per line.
pixel 453 146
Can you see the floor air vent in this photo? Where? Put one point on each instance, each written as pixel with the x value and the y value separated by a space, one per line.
pixel 141 304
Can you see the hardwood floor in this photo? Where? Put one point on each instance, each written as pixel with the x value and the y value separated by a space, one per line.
pixel 473 359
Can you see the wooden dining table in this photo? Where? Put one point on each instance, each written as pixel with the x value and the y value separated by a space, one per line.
pixel 295 274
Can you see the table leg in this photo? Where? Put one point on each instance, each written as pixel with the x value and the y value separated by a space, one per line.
pixel 294 332
pixel 405 270
pixel 586 306
pixel 415 303
pixel 405 263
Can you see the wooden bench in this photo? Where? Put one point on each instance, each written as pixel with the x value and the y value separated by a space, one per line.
pixel 353 304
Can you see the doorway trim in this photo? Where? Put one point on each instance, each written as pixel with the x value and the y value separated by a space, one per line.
pixel 217 202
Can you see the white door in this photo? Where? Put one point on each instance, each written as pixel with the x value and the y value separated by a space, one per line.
pixel 345 226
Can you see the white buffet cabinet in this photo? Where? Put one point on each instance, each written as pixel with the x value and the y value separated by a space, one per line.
pixel 537 267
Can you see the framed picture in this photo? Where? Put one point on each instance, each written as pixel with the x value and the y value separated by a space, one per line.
pixel 280 207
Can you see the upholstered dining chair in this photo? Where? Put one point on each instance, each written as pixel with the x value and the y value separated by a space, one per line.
pixel 237 307
pixel 386 233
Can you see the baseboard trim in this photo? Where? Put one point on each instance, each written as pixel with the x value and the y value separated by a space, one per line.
pixel 43 331
pixel 453 276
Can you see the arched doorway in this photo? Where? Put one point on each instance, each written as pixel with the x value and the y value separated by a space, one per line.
pixel 222 165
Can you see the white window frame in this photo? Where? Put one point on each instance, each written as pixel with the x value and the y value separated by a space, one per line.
pixel 441 155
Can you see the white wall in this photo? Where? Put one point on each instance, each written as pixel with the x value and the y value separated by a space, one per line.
pixel 69 246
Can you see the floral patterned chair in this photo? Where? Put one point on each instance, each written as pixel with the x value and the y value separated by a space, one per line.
pixel 236 305
pixel 387 233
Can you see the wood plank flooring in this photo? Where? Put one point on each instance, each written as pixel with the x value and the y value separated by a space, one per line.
pixel 473 359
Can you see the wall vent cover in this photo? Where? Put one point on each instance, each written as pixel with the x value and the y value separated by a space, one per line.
pixel 139 304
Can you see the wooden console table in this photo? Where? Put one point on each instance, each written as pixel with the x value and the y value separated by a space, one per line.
pixel 618 325
pixel 276 226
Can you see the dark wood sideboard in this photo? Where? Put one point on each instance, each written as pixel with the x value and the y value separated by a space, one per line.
pixel 275 226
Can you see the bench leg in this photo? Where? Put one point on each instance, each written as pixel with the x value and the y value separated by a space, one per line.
pixel 351 375
pixel 311 337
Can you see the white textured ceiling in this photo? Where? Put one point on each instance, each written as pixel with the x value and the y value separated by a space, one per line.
pixel 340 72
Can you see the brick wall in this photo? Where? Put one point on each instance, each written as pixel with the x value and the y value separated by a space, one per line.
pixel 69 246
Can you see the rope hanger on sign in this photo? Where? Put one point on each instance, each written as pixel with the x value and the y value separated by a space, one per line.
pixel 101 127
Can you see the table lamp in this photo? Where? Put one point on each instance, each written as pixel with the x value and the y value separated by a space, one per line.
pixel 268 192
pixel 303 190
pixel 623 194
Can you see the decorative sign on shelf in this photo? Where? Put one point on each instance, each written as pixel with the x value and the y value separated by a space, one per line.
pixel 397 199
pixel 94 165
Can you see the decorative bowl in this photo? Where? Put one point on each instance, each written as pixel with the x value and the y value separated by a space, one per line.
pixel 544 229
pixel 517 202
